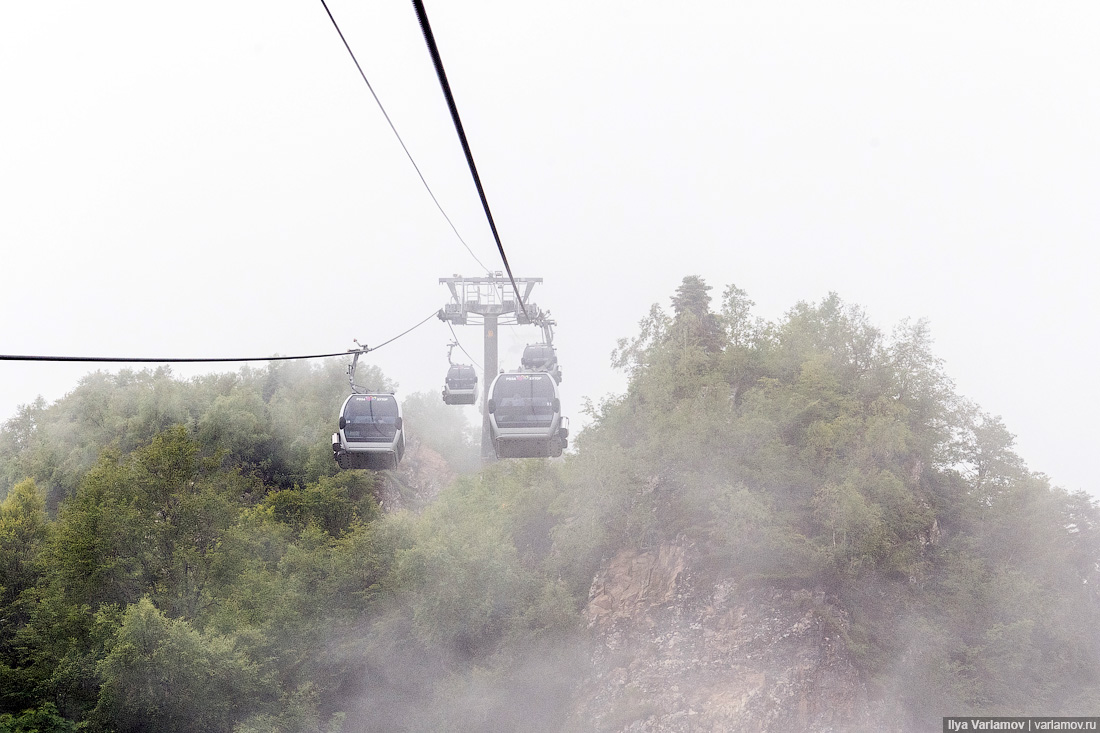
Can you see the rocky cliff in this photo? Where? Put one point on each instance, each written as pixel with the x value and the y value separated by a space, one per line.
pixel 674 652
pixel 422 474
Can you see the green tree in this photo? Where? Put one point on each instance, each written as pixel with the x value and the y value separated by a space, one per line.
pixel 444 429
pixel 693 321
pixel 44 719
pixel 160 674
pixel 23 536
pixel 333 504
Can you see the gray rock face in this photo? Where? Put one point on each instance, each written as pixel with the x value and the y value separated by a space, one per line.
pixel 674 654
pixel 422 474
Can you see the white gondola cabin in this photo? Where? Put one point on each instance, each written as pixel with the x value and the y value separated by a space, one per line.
pixel 541 358
pixel 460 386
pixel 371 432
pixel 525 416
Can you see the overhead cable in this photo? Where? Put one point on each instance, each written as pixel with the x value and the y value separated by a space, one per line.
pixel 398 135
pixel 440 72
pixel 179 360
pixel 172 360
pixel 408 330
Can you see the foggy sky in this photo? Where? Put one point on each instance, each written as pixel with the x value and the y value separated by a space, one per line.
pixel 214 179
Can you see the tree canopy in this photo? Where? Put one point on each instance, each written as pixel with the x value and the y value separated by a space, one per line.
pixel 185 555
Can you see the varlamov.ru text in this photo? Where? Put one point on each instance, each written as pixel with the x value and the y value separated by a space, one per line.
pixel 1022 724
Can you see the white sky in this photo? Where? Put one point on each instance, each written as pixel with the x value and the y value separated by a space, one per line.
pixel 213 179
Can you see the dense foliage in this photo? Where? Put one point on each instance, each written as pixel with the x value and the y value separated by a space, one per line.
pixel 185 555
pixel 818 452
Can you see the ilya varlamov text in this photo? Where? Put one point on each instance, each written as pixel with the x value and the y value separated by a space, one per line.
pixel 1022 724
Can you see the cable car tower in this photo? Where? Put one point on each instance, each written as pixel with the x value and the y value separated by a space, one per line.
pixel 492 299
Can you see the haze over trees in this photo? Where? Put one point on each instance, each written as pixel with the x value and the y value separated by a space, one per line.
pixel 186 555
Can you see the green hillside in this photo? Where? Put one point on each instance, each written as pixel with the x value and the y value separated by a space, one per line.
pixel 185 555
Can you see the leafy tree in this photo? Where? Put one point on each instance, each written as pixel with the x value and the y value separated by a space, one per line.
pixel 160 674
pixel 274 423
pixel 297 714
pixel 23 535
pixel 693 321
pixel 44 719
pixel 332 504
pixel 444 429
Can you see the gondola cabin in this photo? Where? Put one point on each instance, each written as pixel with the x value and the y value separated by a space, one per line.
pixel 460 386
pixel 371 432
pixel 525 416
pixel 541 358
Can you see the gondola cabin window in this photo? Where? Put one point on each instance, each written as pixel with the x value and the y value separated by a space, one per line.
pixel 538 356
pixel 370 418
pixel 461 377
pixel 524 401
